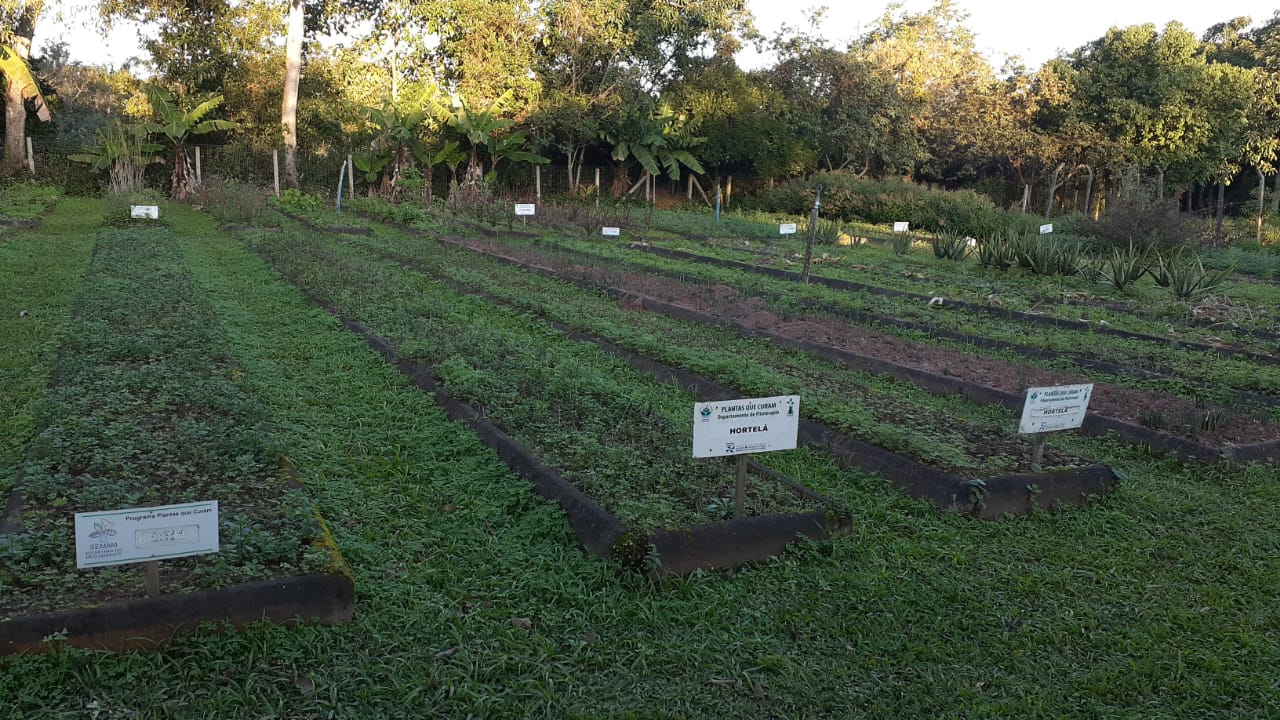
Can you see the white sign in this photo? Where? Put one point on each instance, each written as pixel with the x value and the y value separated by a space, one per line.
pixel 525 208
pixel 117 537
pixel 751 425
pixel 1046 229
pixel 144 211
pixel 787 229
pixel 1054 408
pixel 901 226
pixel 611 231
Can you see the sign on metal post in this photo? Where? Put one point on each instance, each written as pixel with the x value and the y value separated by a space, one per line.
pixel 525 208
pixel 1054 408
pixel 611 231
pixel 901 227
pixel 751 425
pixel 1046 228
pixel 118 537
pixel 787 229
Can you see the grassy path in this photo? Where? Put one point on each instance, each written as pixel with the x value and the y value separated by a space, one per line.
pixel 40 274
pixel 1159 602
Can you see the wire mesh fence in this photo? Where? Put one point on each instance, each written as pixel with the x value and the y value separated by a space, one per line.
pixel 318 173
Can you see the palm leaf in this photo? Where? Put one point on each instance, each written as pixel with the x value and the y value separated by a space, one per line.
pixel 13 67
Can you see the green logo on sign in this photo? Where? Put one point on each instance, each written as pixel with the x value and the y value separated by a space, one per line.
pixel 706 412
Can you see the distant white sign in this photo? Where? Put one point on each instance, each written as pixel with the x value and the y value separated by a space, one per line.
pixel 525 208
pixel 118 537
pixel 611 231
pixel 751 425
pixel 787 229
pixel 901 226
pixel 1046 229
pixel 1054 408
pixel 144 211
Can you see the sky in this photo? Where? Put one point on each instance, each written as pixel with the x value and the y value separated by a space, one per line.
pixel 1035 30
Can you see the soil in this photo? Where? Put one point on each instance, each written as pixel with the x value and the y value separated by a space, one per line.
pixel 1159 411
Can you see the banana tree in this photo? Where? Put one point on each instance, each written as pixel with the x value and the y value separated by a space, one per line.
pixel 20 86
pixel 656 141
pixel 488 137
pixel 177 126
pixel 123 152
pixel 397 144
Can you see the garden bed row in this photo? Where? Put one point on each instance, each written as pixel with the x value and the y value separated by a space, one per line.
pixel 659 551
pixel 147 408
pixel 990 497
pixel 1032 318
pixel 995 284
pixel 1264 451
pixel 911 328
pixel 949 433
pixel 1234 378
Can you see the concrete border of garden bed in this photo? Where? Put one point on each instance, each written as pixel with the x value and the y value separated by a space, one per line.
pixel 146 623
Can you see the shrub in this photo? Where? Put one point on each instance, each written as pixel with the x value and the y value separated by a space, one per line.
pixel 851 198
pixel 1143 221
pixel 1047 256
pixel 1186 278
pixel 298 201
pixel 232 203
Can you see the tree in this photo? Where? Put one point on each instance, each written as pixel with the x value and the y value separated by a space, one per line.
pixel 289 96
pixel 659 141
pixel 176 126
pixel 744 118
pixel 17 26
pixel 1160 103
pixel 487 137
pixel 596 57
pixel 848 109
pixel 932 59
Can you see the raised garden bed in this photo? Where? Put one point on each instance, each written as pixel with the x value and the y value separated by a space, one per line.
pixel 1248 441
pixel 1032 318
pixel 148 408
pixel 1083 360
pixel 657 551
pixel 990 498
pixel 1173 370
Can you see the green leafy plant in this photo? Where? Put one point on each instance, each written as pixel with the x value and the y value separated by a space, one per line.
pixel 827 232
pixel 903 244
pixel 1123 266
pixel 1047 256
pixel 123 152
pixel 1184 278
pixel 951 246
pixel 177 125
pixel 996 251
